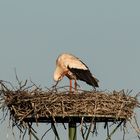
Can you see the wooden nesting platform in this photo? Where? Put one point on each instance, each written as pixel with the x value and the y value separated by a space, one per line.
pixel 63 107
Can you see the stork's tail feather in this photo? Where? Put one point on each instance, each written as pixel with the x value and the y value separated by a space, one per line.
pixel 85 75
pixel 95 82
pixel 91 80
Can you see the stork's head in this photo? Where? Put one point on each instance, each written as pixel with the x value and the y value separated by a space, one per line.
pixel 57 74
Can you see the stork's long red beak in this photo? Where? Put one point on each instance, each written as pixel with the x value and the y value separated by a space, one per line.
pixel 54 86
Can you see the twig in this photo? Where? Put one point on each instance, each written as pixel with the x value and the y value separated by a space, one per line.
pixel 114 130
pixel 64 125
pixel 45 133
pixel 55 131
pixel 19 82
pixel 137 95
pixel 108 135
pixel 31 132
pixel 26 115
pixel 124 133
pixel 23 136
pixel 81 128
pixel 89 130
pixel 136 122
pixel 136 129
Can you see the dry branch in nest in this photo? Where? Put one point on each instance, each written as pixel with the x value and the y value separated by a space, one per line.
pixel 32 104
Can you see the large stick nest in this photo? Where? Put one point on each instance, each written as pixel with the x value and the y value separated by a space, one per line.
pixel 33 102
pixel 27 104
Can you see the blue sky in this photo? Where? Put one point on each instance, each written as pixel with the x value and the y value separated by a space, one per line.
pixel 104 34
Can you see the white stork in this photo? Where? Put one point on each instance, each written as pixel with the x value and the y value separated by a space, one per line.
pixel 72 67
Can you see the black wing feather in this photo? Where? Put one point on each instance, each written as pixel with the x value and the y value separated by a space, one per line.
pixel 84 75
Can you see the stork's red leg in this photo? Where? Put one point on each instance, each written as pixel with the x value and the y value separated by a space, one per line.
pixel 75 84
pixel 70 85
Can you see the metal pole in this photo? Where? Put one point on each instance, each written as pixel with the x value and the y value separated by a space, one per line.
pixel 72 131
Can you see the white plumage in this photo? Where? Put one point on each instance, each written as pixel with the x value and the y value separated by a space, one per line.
pixel 72 67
